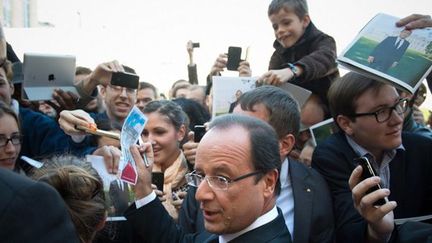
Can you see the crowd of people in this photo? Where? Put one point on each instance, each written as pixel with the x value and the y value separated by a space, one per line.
pixel 256 175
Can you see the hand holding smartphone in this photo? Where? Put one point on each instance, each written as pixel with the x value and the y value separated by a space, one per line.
pixel 234 58
pixel 199 131
pixel 369 171
pixel 158 180
pixel 125 79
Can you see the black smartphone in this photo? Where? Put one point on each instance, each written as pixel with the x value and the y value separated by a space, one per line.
pixel 124 79
pixel 195 45
pixel 234 55
pixel 369 171
pixel 199 131
pixel 158 180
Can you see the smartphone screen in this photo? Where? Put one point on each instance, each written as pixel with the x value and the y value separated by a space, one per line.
pixel 158 180
pixel 199 131
pixel 369 171
pixel 124 79
pixel 234 55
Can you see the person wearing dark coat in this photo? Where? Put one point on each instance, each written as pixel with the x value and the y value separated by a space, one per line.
pixel 32 211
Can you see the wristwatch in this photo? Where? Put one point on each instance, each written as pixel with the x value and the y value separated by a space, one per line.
pixel 294 69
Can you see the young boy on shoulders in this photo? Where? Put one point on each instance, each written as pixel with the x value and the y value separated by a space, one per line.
pixel 303 55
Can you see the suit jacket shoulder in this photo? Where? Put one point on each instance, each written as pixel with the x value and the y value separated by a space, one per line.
pixel 313 211
pixel 146 224
pixel 273 232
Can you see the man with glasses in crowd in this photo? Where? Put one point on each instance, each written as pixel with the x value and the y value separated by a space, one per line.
pixel 236 174
pixel 370 116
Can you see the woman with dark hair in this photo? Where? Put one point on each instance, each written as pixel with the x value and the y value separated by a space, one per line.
pixel 82 190
pixel 165 129
pixel 10 137
pixel 196 113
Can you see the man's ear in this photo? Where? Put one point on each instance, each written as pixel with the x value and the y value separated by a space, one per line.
pixel 12 87
pixel 270 180
pixel 345 124
pixel 102 91
pixel 306 21
pixel 286 144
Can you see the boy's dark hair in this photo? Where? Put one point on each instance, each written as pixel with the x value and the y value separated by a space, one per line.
pixel 345 91
pixel 284 112
pixel 299 7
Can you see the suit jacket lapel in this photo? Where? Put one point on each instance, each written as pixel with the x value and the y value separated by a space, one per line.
pixel 303 196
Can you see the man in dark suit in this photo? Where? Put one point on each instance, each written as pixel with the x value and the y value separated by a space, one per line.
pixel 305 198
pixel 32 211
pixel 370 115
pixel 388 52
pixel 236 174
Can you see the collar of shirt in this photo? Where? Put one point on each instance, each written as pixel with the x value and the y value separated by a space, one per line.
pixel 388 155
pixel 15 106
pixel 382 168
pixel 284 173
pixel 260 221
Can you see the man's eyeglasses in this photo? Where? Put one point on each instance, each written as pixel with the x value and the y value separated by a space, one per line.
pixel 384 114
pixel 216 182
pixel 120 89
pixel 15 140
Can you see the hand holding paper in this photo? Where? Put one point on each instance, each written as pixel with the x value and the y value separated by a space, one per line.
pixel 143 186
pixel 130 134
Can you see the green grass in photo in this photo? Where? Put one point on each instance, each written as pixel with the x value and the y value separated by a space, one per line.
pixel 410 68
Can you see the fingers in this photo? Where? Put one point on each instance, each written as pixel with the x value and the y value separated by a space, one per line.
pixel 415 21
pixel 262 80
pixel 103 72
pixel 68 120
pixel 189 46
pixel 160 194
pixel 177 202
pixel 244 69
pixel 191 136
pixel 146 151
pixel 116 154
pixel 136 155
pixel 182 194
pixel 219 65
pixel 362 187
pixel 355 177
pixel 273 77
pixel 66 100
pixel 189 148
pixel 111 157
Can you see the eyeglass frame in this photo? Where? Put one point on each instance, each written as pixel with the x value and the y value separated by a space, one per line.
pixel 228 181
pixel 392 108
pixel 119 89
pixel 20 137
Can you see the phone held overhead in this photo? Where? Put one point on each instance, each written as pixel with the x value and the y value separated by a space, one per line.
pixel 234 58
pixel 125 79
